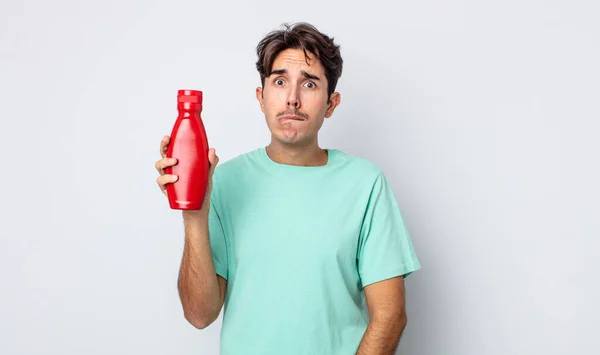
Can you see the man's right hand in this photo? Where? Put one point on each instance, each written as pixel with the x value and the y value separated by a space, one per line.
pixel 165 178
pixel 164 163
pixel 201 290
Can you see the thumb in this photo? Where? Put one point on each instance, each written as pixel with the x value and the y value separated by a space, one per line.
pixel 213 159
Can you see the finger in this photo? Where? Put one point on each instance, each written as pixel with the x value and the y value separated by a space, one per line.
pixel 163 180
pixel 164 163
pixel 164 143
pixel 161 164
pixel 213 159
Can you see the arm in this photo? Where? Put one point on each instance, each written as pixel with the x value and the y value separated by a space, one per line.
pixel 385 301
pixel 201 290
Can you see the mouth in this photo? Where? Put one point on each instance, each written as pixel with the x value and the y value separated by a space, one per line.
pixel 290 118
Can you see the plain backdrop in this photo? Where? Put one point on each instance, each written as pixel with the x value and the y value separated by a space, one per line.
pixel 484 115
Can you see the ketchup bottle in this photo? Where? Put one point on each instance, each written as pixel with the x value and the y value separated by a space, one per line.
pixel 189 145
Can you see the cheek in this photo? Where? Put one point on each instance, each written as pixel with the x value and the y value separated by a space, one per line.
pixel 316 104
pixel 273 101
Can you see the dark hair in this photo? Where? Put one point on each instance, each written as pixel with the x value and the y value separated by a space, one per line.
pixel 307 38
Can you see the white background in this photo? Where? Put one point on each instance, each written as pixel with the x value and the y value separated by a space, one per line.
pixel 483 115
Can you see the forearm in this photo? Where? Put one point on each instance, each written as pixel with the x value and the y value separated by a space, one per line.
pixel 197 283
pixel 382 336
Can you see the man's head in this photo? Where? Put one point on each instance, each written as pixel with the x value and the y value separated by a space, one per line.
pixel 299 68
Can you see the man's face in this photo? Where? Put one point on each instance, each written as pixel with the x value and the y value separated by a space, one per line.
pixel 294 98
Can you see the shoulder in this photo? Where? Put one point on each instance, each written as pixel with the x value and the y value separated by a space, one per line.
pixel 358 166
pixel 229 175
pixel 236 163
pixel 235 166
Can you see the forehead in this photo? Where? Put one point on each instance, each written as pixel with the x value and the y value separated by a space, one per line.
pixel 295 58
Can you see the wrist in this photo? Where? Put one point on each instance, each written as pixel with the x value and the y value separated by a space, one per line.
pixel 195 217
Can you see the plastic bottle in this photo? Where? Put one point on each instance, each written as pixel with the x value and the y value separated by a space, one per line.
pixel 189 145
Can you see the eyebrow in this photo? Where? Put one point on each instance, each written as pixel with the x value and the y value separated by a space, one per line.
pixel 306 74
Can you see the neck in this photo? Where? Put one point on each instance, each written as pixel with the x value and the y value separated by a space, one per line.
pixel 307 155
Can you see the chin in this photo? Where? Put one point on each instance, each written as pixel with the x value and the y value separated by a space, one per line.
pixel 287 140
pixel 296 140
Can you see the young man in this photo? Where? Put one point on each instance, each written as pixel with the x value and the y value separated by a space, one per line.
pixel 304 246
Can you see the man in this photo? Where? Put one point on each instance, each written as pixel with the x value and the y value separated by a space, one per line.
pixel 305 247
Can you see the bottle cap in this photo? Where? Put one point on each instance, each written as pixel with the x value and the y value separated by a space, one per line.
pixel 192 96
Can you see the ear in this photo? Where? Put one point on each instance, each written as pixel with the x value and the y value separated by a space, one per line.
pixel 334 101
pixel 259 97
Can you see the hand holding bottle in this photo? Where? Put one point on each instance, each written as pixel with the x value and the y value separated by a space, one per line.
pixel 188 153
pixel 164 179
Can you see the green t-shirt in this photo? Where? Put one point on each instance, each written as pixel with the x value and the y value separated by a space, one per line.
pixel 297 245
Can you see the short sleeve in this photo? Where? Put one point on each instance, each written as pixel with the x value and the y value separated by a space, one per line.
pixel 385 249
pixel 218 243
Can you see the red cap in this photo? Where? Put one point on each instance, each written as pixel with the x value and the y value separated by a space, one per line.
pixel 192 96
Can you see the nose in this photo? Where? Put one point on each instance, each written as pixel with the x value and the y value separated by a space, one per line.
pixel 293 99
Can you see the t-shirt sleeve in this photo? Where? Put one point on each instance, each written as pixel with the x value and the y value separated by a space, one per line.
pixel 385 249
pixel 218 243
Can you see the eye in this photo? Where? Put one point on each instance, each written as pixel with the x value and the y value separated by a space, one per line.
pixel 310 85
pixel 278 82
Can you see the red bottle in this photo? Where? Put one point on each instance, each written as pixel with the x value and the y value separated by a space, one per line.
pixel 189 145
